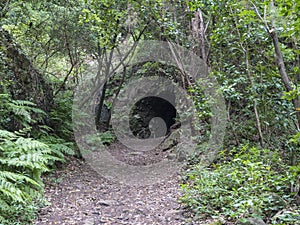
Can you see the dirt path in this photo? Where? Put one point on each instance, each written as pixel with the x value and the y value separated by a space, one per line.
pixel 78 195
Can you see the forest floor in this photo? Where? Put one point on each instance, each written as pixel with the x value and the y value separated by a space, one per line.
pixel 79 195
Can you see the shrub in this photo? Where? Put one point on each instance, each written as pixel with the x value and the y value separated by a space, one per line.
pixel 252 183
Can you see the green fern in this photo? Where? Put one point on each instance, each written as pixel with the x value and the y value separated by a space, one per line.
pixel 22 162
pixel 58 146
pixel 20 110
pixel 11 186
pixel 61 149
pixel 23 159
pixel 4 135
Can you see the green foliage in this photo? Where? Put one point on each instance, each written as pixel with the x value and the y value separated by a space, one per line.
pixel 18 112
pixel 290 95
pixel 103 17
pixel 202 104
pixel 295 139
pixel 19 214
pixel 105 138
pixel 60 36
pixel 246 73
pixel 248 182
pixel 22 161
pixel 59 147
pixel 61 115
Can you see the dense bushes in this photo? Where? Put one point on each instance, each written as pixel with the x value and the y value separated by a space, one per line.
pixel 249 183
pixel 262 110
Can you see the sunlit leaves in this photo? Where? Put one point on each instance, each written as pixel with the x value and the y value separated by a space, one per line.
pixel 105 19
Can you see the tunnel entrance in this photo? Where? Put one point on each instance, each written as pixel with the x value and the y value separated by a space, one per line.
pixel 152 117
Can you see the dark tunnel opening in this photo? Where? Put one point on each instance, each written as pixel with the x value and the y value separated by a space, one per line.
pixel 147 110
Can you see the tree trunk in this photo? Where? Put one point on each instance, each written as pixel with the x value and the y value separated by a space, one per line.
pixel 279 58
pixel 281 66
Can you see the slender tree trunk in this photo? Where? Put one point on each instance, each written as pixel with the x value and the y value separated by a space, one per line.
pixel 279 58
pixel 107 77
pixel 198 32
pixel 258 124
pixel 117 94
pixel 282 70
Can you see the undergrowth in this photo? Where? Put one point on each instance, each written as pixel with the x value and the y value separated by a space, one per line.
pixel 24 157
pixel 249 183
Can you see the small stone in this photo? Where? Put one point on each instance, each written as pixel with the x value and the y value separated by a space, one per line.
pixel 135 153
pixel 171 156
pixel 106 202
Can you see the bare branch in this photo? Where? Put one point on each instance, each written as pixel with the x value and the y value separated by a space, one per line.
pixel 260 17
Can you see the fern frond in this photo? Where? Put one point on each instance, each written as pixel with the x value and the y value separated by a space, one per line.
pixel 28 144
pixel 9 188
pixel 14 177
pixel 21 111
pixel 25 161
pixel 63 148
pixel 22 103
pixel 4 135
pixel 3 205
pixel 24 131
